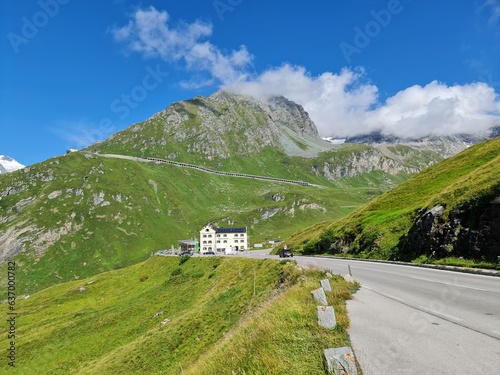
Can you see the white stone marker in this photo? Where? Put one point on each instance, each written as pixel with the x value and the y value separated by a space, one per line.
pixel 326 317
pixel 320 296
pixel 325 284
pixel 340 361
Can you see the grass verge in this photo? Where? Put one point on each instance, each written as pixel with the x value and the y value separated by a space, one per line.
pixel 283 336
pixel 161 316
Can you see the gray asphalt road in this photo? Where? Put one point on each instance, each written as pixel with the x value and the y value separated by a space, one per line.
pixel 409 320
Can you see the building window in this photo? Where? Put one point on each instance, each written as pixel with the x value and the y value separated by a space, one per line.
pixel 204 236
pixel 204 242
pixel 225 241
pixel 218 241
pixel 209 236
pixel 210 248
pixel 218 235
pixel 225 235
pixel 235 241
pixel 207 230
pixel 204 248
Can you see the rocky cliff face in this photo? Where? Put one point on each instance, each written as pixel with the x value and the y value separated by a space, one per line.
pixel 391 159
pixel 364 162
pixel 395 155
pixel 287 114
pixel 469 233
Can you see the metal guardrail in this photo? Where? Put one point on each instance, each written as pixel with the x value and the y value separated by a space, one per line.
pixel 208 170
pixel 231 174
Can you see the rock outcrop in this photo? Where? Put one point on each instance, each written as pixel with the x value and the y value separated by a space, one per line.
pixel 364 162
pixel 472 233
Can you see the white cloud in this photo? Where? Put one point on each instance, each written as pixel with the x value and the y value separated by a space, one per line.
pixel 341 104
pixel 345 104
pixel 332 100
pixel 438 109
pixel 149 33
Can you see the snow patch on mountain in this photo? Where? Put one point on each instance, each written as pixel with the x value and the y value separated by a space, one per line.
pixel 8 164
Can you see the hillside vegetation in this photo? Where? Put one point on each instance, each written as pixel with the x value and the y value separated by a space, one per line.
pixel 81 214
pixel 169 315
pixel 450 209
pixel 78 215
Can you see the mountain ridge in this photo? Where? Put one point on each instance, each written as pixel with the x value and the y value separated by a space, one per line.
pixel 223 130
pixel 200 125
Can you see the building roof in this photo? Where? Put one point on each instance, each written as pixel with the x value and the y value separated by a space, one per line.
pixel 231 230
pixel 187 242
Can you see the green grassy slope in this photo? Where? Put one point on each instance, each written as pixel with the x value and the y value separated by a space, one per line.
pixel 467 181
pixel 112 322
pixel 77 215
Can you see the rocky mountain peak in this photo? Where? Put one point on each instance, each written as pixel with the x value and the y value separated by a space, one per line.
pixel 282 111
pixel 281 108
pixel 224 125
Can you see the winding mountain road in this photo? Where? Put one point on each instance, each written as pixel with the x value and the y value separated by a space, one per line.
pixel 207 170
pixel 412 320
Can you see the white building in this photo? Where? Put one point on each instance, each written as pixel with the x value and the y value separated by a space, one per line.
pixel 220 239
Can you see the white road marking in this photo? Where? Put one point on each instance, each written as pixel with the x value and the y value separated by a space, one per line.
pixel 450 284
pixel 440 314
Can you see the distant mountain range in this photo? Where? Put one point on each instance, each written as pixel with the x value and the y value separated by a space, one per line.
pixel 8 164
pixel 447 146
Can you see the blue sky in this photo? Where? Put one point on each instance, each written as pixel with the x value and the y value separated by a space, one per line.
pixel 75 71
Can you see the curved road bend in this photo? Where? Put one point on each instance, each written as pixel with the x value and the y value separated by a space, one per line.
pixel 412 320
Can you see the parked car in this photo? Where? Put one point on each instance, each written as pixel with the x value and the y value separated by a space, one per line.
pixel 285 253
pixel 209 253
pixel 186 254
